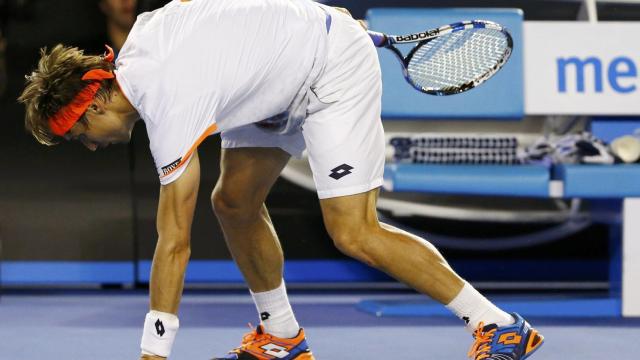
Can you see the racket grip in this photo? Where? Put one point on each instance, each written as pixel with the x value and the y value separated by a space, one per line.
pixel 379 39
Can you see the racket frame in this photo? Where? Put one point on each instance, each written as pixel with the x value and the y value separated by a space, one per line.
pixel 421 38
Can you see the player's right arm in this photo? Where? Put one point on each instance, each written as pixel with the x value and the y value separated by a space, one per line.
pixel 175 214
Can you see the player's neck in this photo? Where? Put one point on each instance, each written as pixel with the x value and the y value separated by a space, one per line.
pixel 120 105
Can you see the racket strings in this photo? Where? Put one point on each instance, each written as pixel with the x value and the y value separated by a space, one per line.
pixel 456 59
pixel 450 56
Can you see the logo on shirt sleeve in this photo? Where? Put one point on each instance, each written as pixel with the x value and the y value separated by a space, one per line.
pixel 169 168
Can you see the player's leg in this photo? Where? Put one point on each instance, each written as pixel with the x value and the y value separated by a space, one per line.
pixel 247 175
pixel 346 147
pixel 353 225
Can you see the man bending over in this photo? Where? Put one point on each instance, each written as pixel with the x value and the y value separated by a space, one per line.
pixel 273 77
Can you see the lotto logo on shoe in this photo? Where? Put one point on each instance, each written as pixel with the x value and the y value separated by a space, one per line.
pixel 275 350
pixel 159 327
pixel 341 171
pixel 511 338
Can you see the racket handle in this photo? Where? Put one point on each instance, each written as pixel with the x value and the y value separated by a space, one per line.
pixel 379 39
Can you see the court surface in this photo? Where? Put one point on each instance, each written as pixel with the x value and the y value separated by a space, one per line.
pixel 99 325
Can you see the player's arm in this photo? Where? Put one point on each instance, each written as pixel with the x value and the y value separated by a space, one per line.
pixel 175 215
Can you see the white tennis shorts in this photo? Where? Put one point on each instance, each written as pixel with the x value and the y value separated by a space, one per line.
pixel 343 132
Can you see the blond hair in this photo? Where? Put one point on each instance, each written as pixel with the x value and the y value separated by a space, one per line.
pixel 55 83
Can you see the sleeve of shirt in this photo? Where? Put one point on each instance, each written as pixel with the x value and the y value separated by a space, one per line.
pixel 172 144
pixel 177 120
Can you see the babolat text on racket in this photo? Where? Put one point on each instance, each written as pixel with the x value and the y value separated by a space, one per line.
pixel 453 58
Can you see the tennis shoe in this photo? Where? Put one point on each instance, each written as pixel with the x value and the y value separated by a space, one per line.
pixel 258 345
pixel 511 342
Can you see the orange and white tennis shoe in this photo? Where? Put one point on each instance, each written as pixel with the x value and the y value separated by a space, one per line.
pixel 511 342
pixel 258 345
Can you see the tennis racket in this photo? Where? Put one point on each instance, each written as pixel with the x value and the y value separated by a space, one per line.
pixel 453 58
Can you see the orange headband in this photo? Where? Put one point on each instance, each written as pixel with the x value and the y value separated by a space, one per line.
pixel 68 115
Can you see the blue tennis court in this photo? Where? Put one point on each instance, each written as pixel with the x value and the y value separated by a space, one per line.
pixel 94 325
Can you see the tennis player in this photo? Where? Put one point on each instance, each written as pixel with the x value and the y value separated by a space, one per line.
pixel 273 77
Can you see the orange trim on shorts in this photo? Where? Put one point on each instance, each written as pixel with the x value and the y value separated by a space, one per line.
pixel 210 130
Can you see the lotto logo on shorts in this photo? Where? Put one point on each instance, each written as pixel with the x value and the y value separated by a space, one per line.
pixel 341 171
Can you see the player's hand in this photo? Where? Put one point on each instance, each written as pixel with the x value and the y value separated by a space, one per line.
pixel 151 357
pixel 363 23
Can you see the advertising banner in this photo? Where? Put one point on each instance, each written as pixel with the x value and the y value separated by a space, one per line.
pixel 581 68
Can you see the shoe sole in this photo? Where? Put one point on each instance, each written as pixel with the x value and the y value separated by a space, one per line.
pixel 305 356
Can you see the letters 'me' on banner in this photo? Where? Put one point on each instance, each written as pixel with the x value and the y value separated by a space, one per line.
pixel 582 68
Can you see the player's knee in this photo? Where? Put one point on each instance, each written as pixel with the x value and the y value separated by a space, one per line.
pixel 179 250
pixel 230 205
pixel 175 246
pixel 354 240
pixel 223 202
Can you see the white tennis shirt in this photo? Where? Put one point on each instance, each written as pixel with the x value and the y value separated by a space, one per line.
pixel 195 68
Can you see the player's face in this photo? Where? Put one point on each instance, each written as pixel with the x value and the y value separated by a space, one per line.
pixel 100 131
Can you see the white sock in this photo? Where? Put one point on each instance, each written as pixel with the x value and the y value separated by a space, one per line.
pixel 470 306
pixel 275 312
